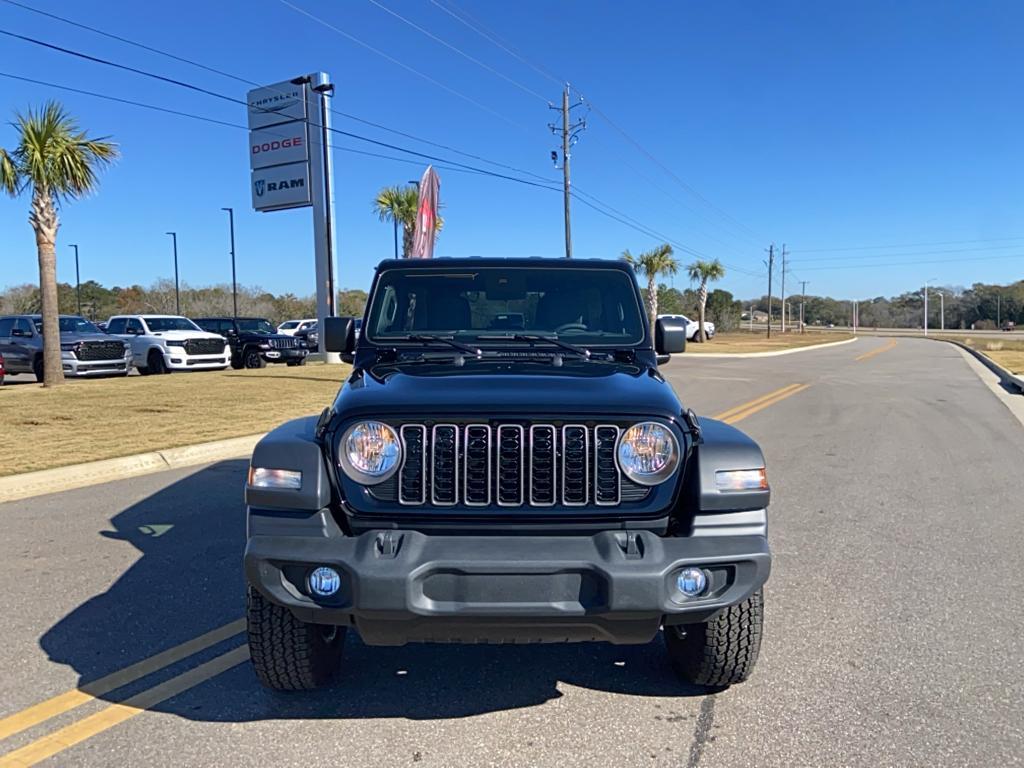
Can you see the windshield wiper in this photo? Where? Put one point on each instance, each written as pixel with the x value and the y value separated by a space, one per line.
pixel 429 338
pixel 581 351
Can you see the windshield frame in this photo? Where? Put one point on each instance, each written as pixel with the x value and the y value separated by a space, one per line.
pixel 642 341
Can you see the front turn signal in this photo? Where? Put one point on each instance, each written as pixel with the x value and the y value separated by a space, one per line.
pixel 741 479
pixel 261 477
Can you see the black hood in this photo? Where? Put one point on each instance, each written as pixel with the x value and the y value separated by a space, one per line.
pixel 483 387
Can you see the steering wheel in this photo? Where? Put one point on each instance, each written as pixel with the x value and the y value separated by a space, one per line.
pixel 571 327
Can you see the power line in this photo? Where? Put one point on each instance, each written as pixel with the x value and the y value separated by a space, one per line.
pixel 403 65
pixel 906 253
pixel 246 81
pixel 906 245
pixel 911 263
pixel 459 51
pixel 467 19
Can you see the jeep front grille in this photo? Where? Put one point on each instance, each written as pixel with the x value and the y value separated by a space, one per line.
pixel 286 342
pixel 510 465
pixel 99 350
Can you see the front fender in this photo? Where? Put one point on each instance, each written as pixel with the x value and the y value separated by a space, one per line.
pixel 722 447
pixel 292 446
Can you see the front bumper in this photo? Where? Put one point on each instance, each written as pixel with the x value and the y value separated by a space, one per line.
pixel 283 355
pixel 74 367
pixel 177 360
pixel 406 586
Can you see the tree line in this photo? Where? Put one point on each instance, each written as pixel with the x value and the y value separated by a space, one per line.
pixel 100 302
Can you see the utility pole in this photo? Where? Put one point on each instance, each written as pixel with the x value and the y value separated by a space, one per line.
pixel 783 287
pixel 177 294
pixel 854 317
pixel 234 280
pixel 771 265
pixel 803 298
pixel 78 282
pixel 999 297
pixel 942 311
pixel 751 318
pixel 570 135
pixel 926 308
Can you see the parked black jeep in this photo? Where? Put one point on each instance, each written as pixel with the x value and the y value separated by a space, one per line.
pixel 254 341
pixel 505 464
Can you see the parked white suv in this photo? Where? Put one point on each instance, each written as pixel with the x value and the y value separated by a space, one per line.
pixel 291 327
pixel 692 326
pixel 165 343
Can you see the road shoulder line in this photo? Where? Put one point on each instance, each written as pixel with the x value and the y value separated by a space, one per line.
pixel 23 486
pixel 773 353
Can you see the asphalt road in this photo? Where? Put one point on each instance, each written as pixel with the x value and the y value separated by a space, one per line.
pixel 893 632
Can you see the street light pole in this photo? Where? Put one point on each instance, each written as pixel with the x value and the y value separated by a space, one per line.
pixel 930 279
pixel 234 280
pixel 177 295
pixel 78 282
pixel 942 311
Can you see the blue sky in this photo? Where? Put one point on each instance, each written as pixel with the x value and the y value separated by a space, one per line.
pixel 819 125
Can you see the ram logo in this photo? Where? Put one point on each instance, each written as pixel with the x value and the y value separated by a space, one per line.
pixel 260 183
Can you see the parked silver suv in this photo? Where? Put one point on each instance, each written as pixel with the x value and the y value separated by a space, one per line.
pixel 84 349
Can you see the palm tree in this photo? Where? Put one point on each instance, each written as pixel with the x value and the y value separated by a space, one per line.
pixel 59 163
pixel 651 264
pixel 703 272
pixel 399 206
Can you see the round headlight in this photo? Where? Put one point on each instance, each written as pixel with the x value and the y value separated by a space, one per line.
pixel 648 453
pixel 370 452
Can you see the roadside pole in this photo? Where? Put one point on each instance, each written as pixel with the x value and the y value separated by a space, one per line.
pixel 78 281
pixel 784 287
pixel 803 299
pixel 770 264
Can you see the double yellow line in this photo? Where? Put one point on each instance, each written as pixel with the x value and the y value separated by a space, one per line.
pixel 743 410
pixel 109 716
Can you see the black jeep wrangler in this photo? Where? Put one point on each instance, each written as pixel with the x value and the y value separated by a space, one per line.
pixel 255 342
pixel 505 464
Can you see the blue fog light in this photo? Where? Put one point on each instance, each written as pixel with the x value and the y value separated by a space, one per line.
pixel 692 582
pixel 324 581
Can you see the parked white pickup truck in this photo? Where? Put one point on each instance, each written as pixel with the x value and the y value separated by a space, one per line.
pixel 692 326
pixel 165 343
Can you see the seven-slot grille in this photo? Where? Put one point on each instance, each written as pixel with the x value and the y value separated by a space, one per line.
pixel 204 346
pixel 99 350
pixel 511 465
pixel 286 342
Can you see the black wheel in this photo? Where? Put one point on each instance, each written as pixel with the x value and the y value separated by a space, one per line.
pixel 156 364
pixel 721 652
pixel 251 358
pixel 288 654
pixel 37 369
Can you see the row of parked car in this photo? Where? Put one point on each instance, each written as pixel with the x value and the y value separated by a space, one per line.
pixel 153 344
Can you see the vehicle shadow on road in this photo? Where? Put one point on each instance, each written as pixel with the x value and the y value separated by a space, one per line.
pixel 188 580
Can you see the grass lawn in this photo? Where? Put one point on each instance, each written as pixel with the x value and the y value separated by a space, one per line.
pixel 1009 353
pixel 746 341
pixel 104 418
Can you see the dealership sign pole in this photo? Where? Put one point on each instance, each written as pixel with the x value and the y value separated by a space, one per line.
pixel 291 167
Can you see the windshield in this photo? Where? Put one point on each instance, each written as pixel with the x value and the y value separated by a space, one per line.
pixel 70 325
pixel 161 324
pixel 287 326
pixel 583 306
pixel 255 326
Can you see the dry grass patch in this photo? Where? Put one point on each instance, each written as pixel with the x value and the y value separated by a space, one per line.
pixel 1008 352
pixel 105 418
pixel 746 341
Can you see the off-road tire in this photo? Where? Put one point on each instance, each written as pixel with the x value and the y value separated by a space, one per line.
pixel 288 654
pixel 293 363
pixel 37 369
pixel 251 358
pixel 155 362
pixel 721 652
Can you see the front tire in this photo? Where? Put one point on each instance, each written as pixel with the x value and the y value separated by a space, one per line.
pixel 155 363
pixel 252 358
pixel 721 652
pixel 288 654
pixel 37 369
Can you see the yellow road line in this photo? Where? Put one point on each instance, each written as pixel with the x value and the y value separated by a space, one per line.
pixel 877 351
pixel 760 405
pixel 108 717
pixel 744 406
pixel 64 702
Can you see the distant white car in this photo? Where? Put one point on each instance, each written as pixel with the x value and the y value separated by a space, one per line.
pixel 165 343
pixel 692 326
pixel 290 327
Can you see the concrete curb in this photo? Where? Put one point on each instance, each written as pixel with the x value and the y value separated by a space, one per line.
pixel 1008 378
pixel 14 487
pixel 775 353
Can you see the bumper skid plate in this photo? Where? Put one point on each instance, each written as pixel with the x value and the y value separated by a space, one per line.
pixel 405 586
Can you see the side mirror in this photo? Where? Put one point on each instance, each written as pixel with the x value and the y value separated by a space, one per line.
pixel 338 335
pixel 669 337
pixel 18 332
